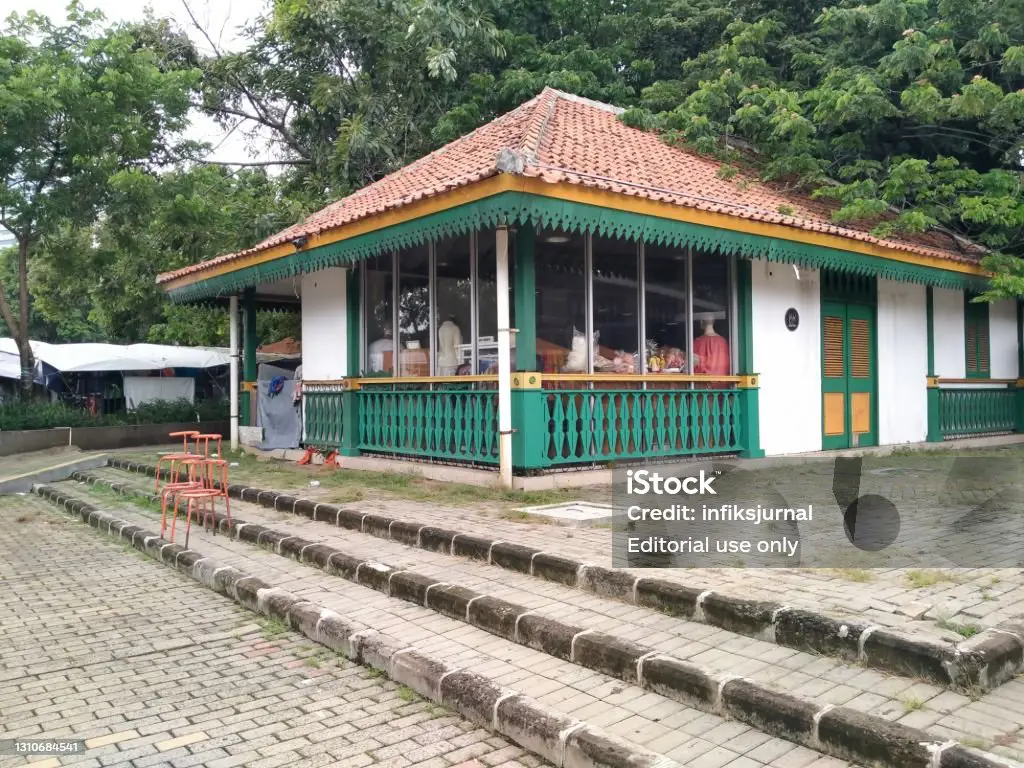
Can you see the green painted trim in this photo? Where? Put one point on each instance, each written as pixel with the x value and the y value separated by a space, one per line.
pixel 524 293
pixel 1020 339
pixel 934 399
pixel 930 328
pixel 934 415
pixel 352 298
pixel 517 208
pixel 250 338
pixel 745 305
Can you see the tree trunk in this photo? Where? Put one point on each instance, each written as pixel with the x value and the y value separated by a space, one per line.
pixel 28 362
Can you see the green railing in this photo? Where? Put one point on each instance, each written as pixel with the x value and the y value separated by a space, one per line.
pixel 601 425
pixel 557 420
pixel 322 416
pixel 456 424
pixel 977 411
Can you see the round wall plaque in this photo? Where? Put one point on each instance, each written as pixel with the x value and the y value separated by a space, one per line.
pixel 792 319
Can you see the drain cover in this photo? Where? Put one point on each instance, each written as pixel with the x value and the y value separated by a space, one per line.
pixel 580 512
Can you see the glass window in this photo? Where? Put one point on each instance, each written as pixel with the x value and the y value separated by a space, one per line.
pixel 616 299
pixel 665 295
pixel 414 312
pixel 561 302
pixel 453 300
pixel 487 300
pixel 713 355
pixel 380 320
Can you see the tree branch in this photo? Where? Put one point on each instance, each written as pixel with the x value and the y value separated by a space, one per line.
pixel 256 163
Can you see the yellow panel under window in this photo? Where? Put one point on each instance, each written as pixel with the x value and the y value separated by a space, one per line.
pixel 835 413
pixel 860 404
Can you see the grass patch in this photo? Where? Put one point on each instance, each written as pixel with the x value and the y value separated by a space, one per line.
pixel 347 485
pixel 860 575
pixel 912 704
pixel 971 741
pixel 405 693
pixel 374 674
pixel 921 579
pixel 313 661
pixel 271 628
pixel 966 630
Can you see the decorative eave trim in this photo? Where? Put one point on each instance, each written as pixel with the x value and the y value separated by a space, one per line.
pixel 515 200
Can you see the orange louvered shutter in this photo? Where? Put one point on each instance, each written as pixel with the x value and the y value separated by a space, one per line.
pixel 860 349
pixel 833 362
pixel 976 339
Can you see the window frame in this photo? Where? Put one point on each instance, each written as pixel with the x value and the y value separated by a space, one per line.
pixel 474 254
pixel 977 313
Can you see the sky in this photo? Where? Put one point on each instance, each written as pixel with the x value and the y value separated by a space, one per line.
pixel 222 20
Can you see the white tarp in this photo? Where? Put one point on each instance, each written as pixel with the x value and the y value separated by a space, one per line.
pixel 10 366
pixel 75 358
pixel 148 389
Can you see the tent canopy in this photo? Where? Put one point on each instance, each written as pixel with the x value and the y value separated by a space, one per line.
pixel 78 358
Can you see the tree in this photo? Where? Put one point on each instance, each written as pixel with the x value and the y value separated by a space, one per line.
pixel 78 104
pixel 907 113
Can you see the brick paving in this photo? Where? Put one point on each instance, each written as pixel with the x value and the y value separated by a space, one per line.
pixel 150 669
pixel 994 721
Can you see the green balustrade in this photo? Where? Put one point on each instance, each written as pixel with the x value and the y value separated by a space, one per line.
pixel 323 413
pixel 456 424
pixel 584 426
pixel 977 411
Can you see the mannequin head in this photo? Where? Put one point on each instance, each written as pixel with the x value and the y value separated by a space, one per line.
pixel 708 327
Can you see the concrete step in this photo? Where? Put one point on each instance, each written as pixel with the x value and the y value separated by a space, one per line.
pixel 651 721
pixel 980 663
pixel 690 662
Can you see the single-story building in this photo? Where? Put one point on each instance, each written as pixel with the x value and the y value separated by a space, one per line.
pixel 557 289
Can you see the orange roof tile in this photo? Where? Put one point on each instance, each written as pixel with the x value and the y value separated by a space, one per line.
pixel 564 139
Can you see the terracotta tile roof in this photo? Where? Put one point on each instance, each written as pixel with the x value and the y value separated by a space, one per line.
pixel 565 139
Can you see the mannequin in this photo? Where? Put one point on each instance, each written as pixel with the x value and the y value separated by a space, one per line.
pixel 449 337
pixel 380 353
pixel 711 350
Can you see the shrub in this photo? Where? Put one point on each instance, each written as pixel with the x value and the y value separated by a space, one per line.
pixel 19 415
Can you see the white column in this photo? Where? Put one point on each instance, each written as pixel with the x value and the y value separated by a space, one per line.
pixel 504 361
pixel 233 337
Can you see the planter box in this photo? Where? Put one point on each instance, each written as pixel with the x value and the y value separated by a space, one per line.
pixel 101 438
pixel 28 440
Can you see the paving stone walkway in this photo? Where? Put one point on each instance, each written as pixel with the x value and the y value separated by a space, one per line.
pixel 101 644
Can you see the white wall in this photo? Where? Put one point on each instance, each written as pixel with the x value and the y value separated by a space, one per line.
pixel 902 362
pixel 950 349
pixel 1002 339
pixel 788 362
pixel 324 331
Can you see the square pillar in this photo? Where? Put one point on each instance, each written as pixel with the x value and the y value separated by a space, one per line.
pixel 934 396
pixel 249 344
pixel 749 392
pixel 524 294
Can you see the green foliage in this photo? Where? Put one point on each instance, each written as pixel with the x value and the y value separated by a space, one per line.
pixel 909 114
pixel 79 104
pixel 49 415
